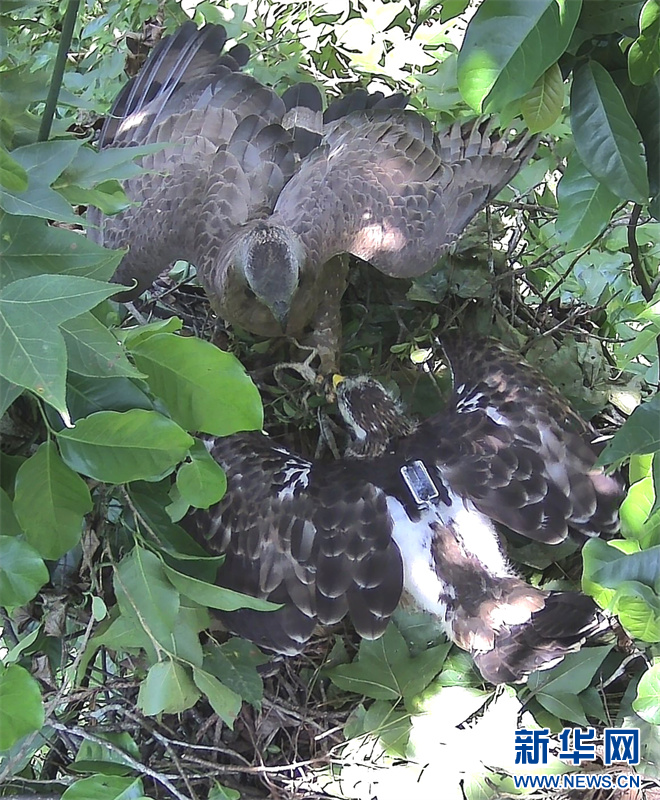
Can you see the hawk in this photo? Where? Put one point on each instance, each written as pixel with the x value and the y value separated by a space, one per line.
pixel 260 192
pixel 412 509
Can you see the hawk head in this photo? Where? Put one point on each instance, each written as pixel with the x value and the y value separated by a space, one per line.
pixel 269 259
pixel 372 416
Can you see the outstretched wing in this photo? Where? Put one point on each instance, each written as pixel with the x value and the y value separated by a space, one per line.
pixel 300 534
pixel 383 187
pixel 512 445
pixel 224 159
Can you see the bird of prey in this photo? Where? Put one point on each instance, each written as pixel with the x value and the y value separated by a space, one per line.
pixel 412 509
pixel 260 192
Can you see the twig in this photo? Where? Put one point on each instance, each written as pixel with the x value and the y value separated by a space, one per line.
pixel 136 765
pixel 68 25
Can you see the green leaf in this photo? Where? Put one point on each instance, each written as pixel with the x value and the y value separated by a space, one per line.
pixel 92 167
pixel 34 354
pixel 605 565
pixel 563 706
pixel 109 196
pixel 542 105
pixel 118 447
pixel 385 670
pixel 640 433
pixel 85 396
pixel 206 594
pixel 131 337
pixel 638 610
pixel 8 393
pixel 10 526
pixel 21 706
pixel 29 247
pixel 42 162
pixel 572 676
pixel 220 792
pixel 636 520
pixel 204 388
pixel 144 594
pixel 95 757
pixel 12 175
pixel 201 481
pixel 93 350
pixel 609 16
pixel 224 701
pixel 392 726
pixel 585 205
pixel 647 702
pixel 606 137
pixel 235 664
pixel 508 45
pixel 167 689
pixel 644 53
pixel 22 571
pixel 105 787
pixel 50 502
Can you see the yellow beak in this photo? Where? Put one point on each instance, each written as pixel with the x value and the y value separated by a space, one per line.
pixel 337 379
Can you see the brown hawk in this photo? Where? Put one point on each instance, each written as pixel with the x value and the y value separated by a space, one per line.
pixel 259 191
pixel 412 509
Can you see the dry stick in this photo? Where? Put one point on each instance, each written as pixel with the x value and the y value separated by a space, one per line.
pixel 136 765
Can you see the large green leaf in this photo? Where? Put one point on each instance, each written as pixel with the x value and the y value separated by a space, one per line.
pixel 29 246
pixel 22 571
pixel 50 502
pixel 606 137
pixel 145 595
pixel 224 701
pixel 572 675
pixel 585 205
pixel 21 706
pixel 92 350
pixel 207 594
pixel 12 175
pixel 118 447
pixel 610 16
pixel 201 481
pixel 8 393
pixel 205 389
pixel 105 787
pixel 167 688
pixel 32 347
pixel 508 45
pixel 647 702
pixel 644 53
pixel 640 433
pixel 607 566
pixel 385 670
pixel 235 664
pixel 43 162
pixel 85 396
pixel 542 105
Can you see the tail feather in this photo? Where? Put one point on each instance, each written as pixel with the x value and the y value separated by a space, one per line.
pixel 562 626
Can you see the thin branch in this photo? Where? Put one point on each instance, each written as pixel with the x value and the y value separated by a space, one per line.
pixel 68 25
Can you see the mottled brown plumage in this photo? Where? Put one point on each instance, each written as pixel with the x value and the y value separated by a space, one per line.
pixel 414 513
pixel 260 192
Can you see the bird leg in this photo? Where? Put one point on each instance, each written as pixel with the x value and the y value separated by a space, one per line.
pixel 325 336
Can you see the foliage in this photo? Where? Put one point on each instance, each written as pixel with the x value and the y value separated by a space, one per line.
pixel 101 461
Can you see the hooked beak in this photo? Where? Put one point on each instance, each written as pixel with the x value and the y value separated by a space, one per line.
pixel 280 310
pixel 337 379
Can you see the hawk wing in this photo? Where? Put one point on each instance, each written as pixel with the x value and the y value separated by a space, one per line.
pixel 511 444
pixel 314 537
pixel 385 188
pixel 224 159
